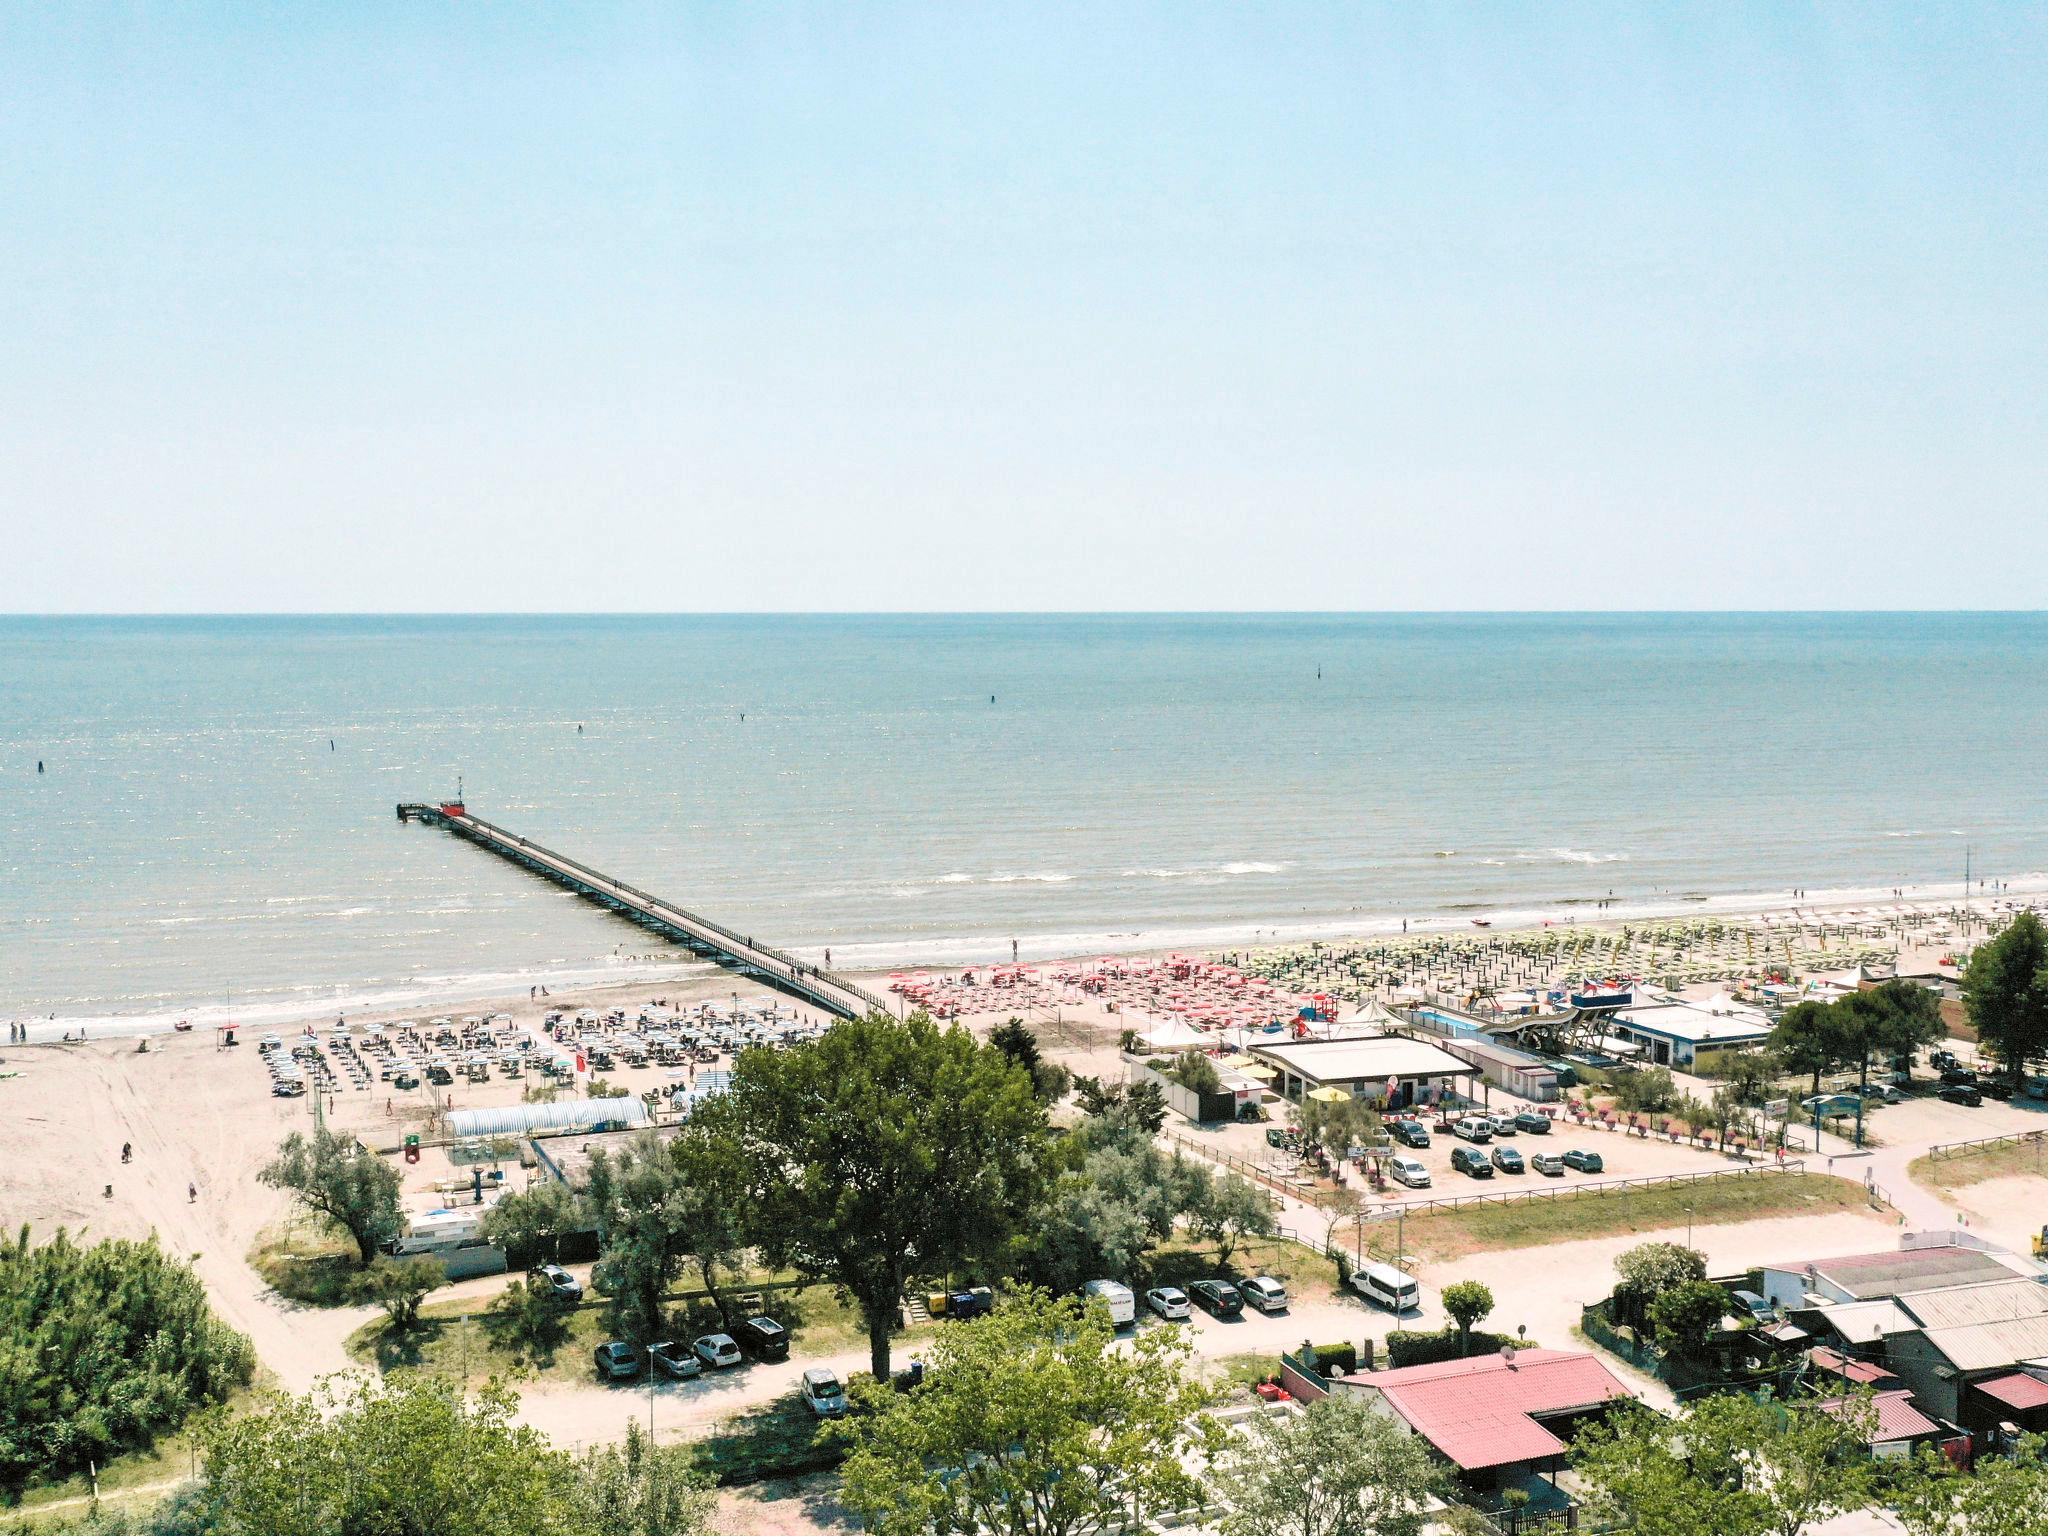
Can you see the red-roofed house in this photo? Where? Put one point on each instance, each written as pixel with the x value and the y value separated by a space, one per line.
pixel 1900 1426
pixel 1496 1419
pixel 1859 1373
pixel 2019 1398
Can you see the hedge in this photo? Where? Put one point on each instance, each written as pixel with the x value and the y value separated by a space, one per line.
pixel 1405 1347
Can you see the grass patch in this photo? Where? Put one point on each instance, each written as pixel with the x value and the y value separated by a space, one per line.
pixel 778 1439
pixel 1568 1218
pixel 1235 1375
pixel 312 1270
pixel 2012 1159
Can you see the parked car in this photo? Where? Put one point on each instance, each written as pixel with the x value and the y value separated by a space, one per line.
pixel 1534 1122
pixel 1411 1133
pixel 1584 1161
pixel 764 1338
pixel 616 1361
pixel 1995 1087
pixel 1473 1128
pixel 1503 1125
pixel 975 1301
pixel 1169 1301
pixel 1265 1293
pixel 718 1351
pixel 1388 1286
pixel 1409 1171
pixel 1472 1161
pixel 823 1392
pixel 1884 1093
pixel 1507 1160
pixel 1217 1296
pixel 1116 1296
pixel 1548 1162
pixel 2037 1087
pixel 673 1359
pixel 1962 1093
pixel 560 1283
pixel 1954 1075
pixel 1754 1306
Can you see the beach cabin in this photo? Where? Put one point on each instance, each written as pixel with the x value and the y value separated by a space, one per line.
pixel 1391 1069
pixel 1672 1034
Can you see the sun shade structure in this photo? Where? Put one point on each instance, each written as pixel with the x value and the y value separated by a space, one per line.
pixel 1330 1095
pixel 564 1115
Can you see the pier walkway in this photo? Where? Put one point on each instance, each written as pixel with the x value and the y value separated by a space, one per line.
pixel 738 952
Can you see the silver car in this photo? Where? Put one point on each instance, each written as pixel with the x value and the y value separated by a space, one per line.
pixel 823 1392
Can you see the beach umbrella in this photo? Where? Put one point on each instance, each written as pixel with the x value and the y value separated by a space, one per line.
pixel 1260 1070
pixel 1329 1095
pixel 1239 1060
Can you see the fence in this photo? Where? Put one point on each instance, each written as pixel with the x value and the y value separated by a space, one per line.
pixel 1265 1178
pixel 1427 1206
pixel 1944 1149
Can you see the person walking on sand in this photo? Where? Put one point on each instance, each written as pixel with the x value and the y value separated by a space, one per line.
pixel 191 1194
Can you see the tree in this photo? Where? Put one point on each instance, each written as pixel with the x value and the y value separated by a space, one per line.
pixel 1232 1209
pixel 1143 1104
pixel 1015 1040
pixel 1731 1466
pixel 1468 1304
pixel 531 1224
pixel 1894 1019
pixel 339 1178
pixel 1805 1040
pixel 710 1162
pixel 400 1285
pixel 1194 1071
pixel 1649 1270
pixel 1752 1075
pixel 1338 1125
pixel 1102 1218
pixel 1999 1496
pixel 643 1489
pixel 1687 1317
pixel 643 1233
pixel 407 1455
pixel 1337 1469
pixel 529 1320
pixel 103 1348
pixel 1032 1421
pixel 883 1150
pixel 2005 991
pixel 1646 1090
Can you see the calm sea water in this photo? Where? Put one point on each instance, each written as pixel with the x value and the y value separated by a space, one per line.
pixel 931 787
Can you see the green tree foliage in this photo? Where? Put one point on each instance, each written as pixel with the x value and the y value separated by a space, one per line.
pixel 641 1489
pixel 1231 1210
pixel 1647 1090
pixel 102 1349
pixel 1141 1104
pixel 400 1285
pixel 1752 1075
pixel 529 1320
pixel 1014 1039
pixel 1806 1039
pixel 643 1232
pixel 1648 1271
pixel 1730 1466
pixel 1032 1421
pixel 1104 1217
pixel 1337 1126
pixel 886 1150
pixel 1687 1317
pixel 1337 1469
pixel 1194 1071
pixel 530 1224
pixel 1895 1019
pixel 1468 1303
pixel 710 1162
pixel 339 1178
pixel 411 1456
pixel 2005 990
pixel 1999 1496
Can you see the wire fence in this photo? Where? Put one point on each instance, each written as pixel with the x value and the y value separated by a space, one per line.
pixel 1944 1149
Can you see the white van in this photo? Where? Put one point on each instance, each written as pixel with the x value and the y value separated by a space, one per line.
pixel 1408 1170
pixel 1123 1306
pixel 1474 1128
pixel 1388 1286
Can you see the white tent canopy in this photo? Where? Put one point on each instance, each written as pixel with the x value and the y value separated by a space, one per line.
pixel 563 1115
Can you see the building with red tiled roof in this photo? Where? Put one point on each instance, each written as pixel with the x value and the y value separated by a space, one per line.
pixel 1495 1417
pixel 1900 1426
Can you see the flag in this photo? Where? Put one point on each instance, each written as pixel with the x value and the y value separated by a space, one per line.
pixel 582 1066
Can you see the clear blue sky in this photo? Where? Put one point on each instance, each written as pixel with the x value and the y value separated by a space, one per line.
pixel 953 306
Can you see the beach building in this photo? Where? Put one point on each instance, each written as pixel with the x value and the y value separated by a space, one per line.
pixel 1500 1419
pixel 1879 1277
pixel 1672 1034
pixel 1381 1067
pixel 1530 1077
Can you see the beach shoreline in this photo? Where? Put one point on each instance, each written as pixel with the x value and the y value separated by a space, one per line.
pixel 602 980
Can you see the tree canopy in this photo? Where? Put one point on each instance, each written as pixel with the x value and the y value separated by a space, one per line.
pixel 1338 1468
pixel 1032 1421
pixel 2005 990
pixel 339 1178
pixel 102 1349
pixel 886 1150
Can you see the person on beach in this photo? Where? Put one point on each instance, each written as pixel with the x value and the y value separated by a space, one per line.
pixel 191 1194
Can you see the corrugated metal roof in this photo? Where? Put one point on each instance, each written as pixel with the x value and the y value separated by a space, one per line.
pixel 1481 1412
pixel 1958 1306
pixel 1865 1322
pixel 1897 1418
pixel 1871 1275
pixel 2018 1390
pixel 1986 1346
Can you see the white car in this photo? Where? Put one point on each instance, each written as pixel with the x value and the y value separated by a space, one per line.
pixel 1409 1171
pixel 823 1393
pixel 1265 1293
pixel 1170 1302
pixel 717 1351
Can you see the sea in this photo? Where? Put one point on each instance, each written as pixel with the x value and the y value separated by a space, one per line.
pixel 197 815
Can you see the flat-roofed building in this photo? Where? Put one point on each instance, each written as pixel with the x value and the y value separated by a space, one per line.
pixel 1364 1066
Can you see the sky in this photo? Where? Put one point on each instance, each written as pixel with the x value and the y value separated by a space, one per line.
pixel 1104 306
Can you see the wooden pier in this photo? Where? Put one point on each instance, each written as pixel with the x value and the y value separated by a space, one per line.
pixel 737 952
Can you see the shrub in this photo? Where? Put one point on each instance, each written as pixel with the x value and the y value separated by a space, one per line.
pixel 103 1349
pixel 1406 1347
pixel 1336 1357
pixel 1195 1072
